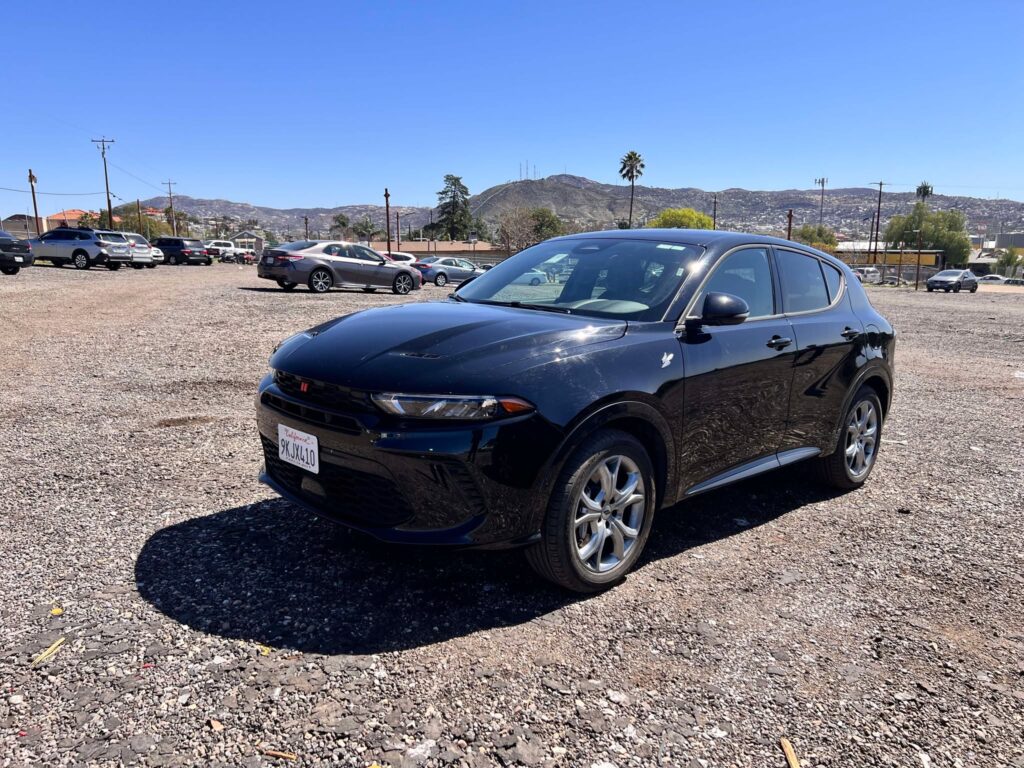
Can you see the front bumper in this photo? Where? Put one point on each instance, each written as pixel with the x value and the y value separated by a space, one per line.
pixel 469 486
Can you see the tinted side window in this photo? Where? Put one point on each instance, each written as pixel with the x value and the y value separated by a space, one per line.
pixel 364 254
pixel 803 285
pixel 748 275
pixel 834 279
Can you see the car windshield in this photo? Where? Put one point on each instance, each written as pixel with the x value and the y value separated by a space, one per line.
pixel 949 273
pixel 595 277
pixel 298 245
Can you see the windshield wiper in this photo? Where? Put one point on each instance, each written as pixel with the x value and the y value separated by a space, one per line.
pixel 542 307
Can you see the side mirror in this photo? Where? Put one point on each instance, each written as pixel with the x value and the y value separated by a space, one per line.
pixel 720 309
pixel 485 267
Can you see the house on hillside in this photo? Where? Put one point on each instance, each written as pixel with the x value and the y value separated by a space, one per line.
pixel 249 240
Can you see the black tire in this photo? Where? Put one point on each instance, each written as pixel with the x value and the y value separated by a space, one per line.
pixel 834 470
pixel 10 270
pixel 320 280
pixel 554 557
pixel 138 266
pixel 929 288
pixel 208 262
pixel 956 288
pixel 286 285
pixel 946 290
pixel 172 260
pixel 402 284
pixel 441 280
pixel 974 288
pixel 113 266
pixel 80 259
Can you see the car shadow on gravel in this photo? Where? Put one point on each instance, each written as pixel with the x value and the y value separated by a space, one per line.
pixel 271 573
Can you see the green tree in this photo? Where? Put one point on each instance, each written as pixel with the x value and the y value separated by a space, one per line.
pixel 681 218
pixel 924 191
pixel 545 224
pixel 453 208
pixel 365 229
pixel 339 224
pixel 1008 262
pixel 631 168
pixel 817 235
pixel 939 230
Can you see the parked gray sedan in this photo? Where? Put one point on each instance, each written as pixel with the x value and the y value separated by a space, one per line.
pixel 322 264
pixel 444 270
pixel 953 280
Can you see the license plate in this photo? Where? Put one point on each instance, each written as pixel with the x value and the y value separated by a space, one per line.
pixel 18 260
pixel 298 448
pixel 268 260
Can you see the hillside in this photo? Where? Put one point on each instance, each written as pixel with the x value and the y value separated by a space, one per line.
pixel 595 205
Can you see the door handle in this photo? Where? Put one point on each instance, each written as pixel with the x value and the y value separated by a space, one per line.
pixel 779 342
pixel 850 333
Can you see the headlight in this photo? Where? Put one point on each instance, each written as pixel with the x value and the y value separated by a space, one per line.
pixel 464 407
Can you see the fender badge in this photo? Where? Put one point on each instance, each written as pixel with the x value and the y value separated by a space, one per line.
pixel 666 359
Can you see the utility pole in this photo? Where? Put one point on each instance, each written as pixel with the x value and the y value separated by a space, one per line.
pixel 917 275
pixel 35 208
pixel 138 210
pixel 878 219
pixel 398 231
pixel 821 211
pixel 387 215
pixel 106 178
pixel 714 212
pixel 170 203
pixel 789 225
pixel 305 223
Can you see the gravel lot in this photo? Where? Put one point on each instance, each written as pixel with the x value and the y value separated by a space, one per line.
pixel 205 622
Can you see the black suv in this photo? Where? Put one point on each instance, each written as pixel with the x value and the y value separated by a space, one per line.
pixel 183 250
pixel 561 416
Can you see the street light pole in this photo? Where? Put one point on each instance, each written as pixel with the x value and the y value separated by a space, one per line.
pixel 387 215
pixel 398 230
pixel 821 211
pixel 917 275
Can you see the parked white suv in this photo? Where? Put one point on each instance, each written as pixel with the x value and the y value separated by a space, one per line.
pixel 867 274
pixel 223 249
pixel 82 246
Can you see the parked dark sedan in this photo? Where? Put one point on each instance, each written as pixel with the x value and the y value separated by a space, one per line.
pixel 183 250
pixel 955 280
pixel 560 416
pixel 15 253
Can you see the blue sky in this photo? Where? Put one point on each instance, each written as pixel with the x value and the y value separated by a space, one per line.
pixel 326 103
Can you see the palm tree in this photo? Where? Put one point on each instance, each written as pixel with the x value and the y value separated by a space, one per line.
pixel 924 191
pixel 632 168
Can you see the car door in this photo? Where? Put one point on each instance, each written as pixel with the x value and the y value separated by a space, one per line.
pixel 828 338
pixel 48 246
pixel 376 273
pixel 738 377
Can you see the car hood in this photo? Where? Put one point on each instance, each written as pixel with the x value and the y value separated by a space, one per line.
pixel 438 346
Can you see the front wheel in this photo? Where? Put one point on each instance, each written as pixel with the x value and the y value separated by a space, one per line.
pixel 859 440
pixel 172 260
pixel 929 288
pixel 956 288
pixel 320 281
pixel 974 288
pixel 113 266
pixel 80 260
pixel 599 516
pixel 441 280
pixel 10 270
pixel 402 284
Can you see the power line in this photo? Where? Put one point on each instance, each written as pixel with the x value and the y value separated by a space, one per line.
pixel 137 178
pixel 63 194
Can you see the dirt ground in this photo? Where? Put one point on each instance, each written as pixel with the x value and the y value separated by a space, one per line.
pixel 203 621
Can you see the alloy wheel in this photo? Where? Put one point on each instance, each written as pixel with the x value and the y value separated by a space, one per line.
pixel 403 284
pixel 609 514
pixel 320 281
pixel 81 261
pixel 861 438
pixel 441 280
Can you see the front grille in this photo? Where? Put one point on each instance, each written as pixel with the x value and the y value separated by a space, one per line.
pixel 336 421
pixel 333 396
pixel 362 497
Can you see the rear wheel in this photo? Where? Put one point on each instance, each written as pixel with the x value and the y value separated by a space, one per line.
pixel 320 281
pixel 172 260
pixel 599 516
pixel 10 270
pixel 859 440
pixel 208 262
pixel 80 259
pixel 402 284
pixel 535 281
pixel 113 266
pixel 286 285
pixel 441 280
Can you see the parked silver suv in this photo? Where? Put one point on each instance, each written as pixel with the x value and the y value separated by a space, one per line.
pixel 83 247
